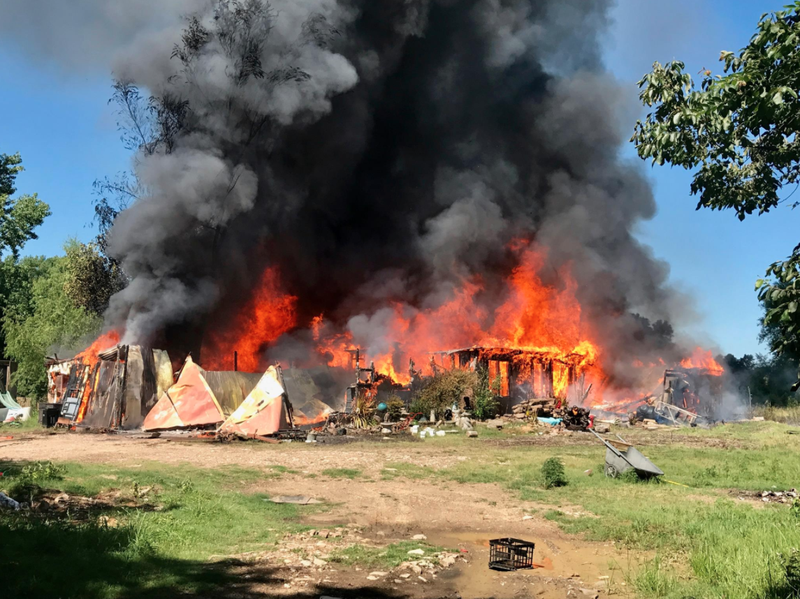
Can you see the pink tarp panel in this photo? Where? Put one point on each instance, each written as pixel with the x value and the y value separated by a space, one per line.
pixel 262 411
pixel 162 416
pixel 189 402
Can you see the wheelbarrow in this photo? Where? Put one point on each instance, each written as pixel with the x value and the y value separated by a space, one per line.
pixel 621 456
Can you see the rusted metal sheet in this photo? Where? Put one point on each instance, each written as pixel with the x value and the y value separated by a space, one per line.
pixel 231 388
pixel 262 413
pixel 132 392
pixel 106 404
pixel 163 416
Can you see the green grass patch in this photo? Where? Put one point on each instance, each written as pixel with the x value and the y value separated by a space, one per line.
pixel 707 543
pixel 31 424
pixel 276 470
pixel 148 552
pixel 394 470
pixel 387 557
pixel 350 473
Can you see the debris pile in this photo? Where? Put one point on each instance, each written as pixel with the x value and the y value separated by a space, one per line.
pixel 574 418
pixel 49 503
pixel 533 408
pixel 778 496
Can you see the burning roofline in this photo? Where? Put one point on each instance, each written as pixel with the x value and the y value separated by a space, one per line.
pixel 512 352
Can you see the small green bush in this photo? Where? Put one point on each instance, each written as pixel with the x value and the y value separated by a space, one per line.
pixel 39 471
pixel 794 510
pixel 394 408
pixel 553 473
pixel 441 391
pixel 486 406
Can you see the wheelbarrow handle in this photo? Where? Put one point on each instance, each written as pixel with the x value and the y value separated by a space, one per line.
pixel 608 445
pixel 596 434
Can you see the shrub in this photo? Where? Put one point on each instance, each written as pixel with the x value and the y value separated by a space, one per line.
pixel 442 390
pixel 394 408
pixel 486 406
pixel 553 473
pixel 38 471
pixel 364 410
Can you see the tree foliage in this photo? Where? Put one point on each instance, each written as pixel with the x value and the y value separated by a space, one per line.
pixel 44 321
pixel 442 390
pixel 16 281
pixel 779 293
pixel 766 379
pixel 21 216
pixel 739 132
pixel 36 314
pixel 92 277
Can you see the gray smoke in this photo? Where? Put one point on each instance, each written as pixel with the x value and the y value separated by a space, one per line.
pixel 373 150
pixel 86 34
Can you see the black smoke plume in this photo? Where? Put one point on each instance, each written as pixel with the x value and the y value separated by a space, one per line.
pixel 381 150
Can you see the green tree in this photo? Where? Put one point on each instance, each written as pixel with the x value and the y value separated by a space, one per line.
pixel 43 320
pixel 16 283
pixel 21 216
pixel 738 131
pixel 92 276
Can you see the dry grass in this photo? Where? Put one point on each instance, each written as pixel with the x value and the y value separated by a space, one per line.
pixel 783 415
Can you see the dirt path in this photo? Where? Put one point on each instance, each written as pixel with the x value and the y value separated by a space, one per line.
pixel 450 514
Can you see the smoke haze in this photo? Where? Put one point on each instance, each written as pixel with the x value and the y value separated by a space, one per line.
pixel 374 152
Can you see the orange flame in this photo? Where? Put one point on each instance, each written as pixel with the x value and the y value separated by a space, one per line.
pixel 523 312
pixel 106 341
pixel 703 360
pixel 532 316
pixel 266 316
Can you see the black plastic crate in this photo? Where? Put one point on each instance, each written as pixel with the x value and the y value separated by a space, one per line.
pixel 49 413
pixel 510 554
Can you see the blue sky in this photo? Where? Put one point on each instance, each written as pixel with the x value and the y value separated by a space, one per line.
pixel 66 132
pixel 713 256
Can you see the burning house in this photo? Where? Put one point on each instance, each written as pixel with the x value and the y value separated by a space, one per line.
pixel 521 374
pixel 404 178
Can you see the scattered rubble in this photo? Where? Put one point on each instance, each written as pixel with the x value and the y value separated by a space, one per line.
pixel 533 408
pixel 311 555
pixel 778 496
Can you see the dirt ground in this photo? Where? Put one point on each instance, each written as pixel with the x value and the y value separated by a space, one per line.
pixel 449 514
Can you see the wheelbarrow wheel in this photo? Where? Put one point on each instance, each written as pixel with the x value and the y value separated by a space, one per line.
pixel 611 472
